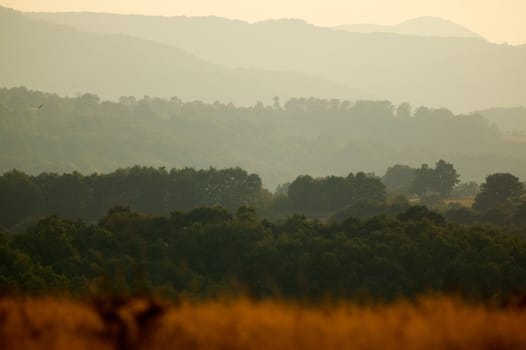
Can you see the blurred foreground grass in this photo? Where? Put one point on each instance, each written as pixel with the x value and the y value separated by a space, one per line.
pixel 431 323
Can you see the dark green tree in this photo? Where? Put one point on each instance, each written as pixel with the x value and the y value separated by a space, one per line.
pixel 445 177
pixel 399 178
pixel 367 188
pixel 439 180
pixel 499 190
pixel 418 213
pixel 422 181
pixel 245 213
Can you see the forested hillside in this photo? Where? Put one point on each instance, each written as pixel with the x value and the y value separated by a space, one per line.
pixel 41 132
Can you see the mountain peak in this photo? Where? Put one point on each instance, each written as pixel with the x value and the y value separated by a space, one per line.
pixel 422 26
pixel 435 26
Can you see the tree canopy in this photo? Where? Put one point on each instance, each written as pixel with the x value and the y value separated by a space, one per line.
pixel 440 180
pixel 500 189
pixel 207 251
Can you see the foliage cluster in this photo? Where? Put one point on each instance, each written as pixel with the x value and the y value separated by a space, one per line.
pixel 145 189
pixel 207 251
pixel 440 180
pixel 158 191
pixel 307 194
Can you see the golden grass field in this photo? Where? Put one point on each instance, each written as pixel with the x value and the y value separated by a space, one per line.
pixel 466 202
pixel 432 323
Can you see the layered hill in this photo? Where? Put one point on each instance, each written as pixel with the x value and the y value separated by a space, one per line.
pixel 68 61
pixel 45 132
pixel 423 26
pixel 509 119
pixel 462 73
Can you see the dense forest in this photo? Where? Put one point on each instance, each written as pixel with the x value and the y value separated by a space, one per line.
pixel 200 233
pixel 207 251
pixel 41 132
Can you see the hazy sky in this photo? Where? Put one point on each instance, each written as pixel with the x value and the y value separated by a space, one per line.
pixel 497 20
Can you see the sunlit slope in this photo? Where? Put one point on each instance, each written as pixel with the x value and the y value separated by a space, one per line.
pixel 63 60
pixel 464 74
pixel 144 324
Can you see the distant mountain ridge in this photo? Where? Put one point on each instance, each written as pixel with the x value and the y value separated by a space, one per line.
pixel 301 136
pixel 422 26
pixel 509 119
pixel 65 60
pixel 460 73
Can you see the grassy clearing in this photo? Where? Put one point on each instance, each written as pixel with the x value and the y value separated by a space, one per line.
pixel 432 323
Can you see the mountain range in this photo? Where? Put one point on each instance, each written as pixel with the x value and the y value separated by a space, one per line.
pixel 461 73
pixel 68 61
pixel 214 59
pixel 422 26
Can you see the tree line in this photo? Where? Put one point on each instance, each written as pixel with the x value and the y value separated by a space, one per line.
pixel 159 191
pixel 146 189
pixel 440 180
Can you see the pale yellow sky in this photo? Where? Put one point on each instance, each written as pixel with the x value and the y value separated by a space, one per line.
pixel 497 20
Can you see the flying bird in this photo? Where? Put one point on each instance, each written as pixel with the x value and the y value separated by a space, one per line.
pixel 40 107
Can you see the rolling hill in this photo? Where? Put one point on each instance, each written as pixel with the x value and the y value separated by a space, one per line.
pixel 422 26
pixel 68 61
pixel 461 73
pixel 509 119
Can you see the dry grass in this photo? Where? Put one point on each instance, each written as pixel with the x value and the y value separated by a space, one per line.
pixel 466 202
pixel 144 324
